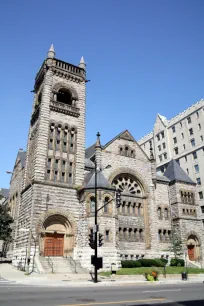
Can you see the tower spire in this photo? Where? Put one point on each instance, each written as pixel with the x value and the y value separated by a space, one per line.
pixel 51 52
pixel 98 151
pixel 82 63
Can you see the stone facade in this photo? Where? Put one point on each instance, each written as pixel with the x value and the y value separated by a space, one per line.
pixel 54 214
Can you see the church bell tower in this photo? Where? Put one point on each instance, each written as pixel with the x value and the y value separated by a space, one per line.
pixel 56 142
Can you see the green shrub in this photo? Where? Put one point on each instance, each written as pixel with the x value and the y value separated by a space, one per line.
pixel 165 261
pixel 131 264
pixel 176 262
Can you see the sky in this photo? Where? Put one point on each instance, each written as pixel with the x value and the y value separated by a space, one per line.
pixel 143 57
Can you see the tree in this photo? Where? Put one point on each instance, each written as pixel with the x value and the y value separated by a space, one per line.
pixel 5 224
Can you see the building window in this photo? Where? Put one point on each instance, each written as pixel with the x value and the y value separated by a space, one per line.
pixel 194 155
pixel 173 129
pixel 133 208
pixel 92 205
pixel 191 131
pixel 184 146
pixel 196 167
pixel 139 210
pixel 200 195
pixel 63 177
pixel 201 138
pixel 193 142
pixel 166 213
pixel 181 124
pixel 57 145
pixel 182 135
pixel 106 205
pixel 158 137
pixel 159 148
pixel 123 207
pixel 162 134
pixel 48 175
pixel 176 150
pixel 55 176
pixel 187 171
pixel 49 163
pixel 164 145
pixel 197 114
pixel 202 209
pixel 198 180
pixel 56 164
pixel 159 212
pixel 165 155
pixel 185 158
pixel 175 140
pixel 189 120
pixel 160 158
pixel 107 236
pixel 141 235
pixel 199 126
pixel 51 144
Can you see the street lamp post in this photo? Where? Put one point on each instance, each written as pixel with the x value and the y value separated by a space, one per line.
pixel 97 169
pixel 96 228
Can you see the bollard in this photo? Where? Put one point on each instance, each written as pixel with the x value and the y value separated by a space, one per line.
pixel 184 276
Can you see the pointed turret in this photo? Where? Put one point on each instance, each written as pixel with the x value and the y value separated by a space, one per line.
pixel 98 151
pixel 51 52
pixel 82 63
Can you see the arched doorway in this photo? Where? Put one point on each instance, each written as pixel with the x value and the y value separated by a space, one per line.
pixel 193 247
pixel 58 237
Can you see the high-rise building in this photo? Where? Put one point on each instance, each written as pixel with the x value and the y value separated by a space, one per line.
pixel 182 139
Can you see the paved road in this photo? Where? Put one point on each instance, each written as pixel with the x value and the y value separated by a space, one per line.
pixel 171 295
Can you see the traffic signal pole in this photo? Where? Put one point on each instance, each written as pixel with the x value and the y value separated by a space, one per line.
pixel 96 227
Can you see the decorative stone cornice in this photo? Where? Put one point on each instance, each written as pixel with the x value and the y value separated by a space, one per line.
pixel 64 108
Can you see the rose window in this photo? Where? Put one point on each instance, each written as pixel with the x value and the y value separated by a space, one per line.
pixel 127 184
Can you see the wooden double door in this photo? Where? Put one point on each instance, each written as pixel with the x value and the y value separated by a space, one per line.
pixel 54 245
pixel 191 252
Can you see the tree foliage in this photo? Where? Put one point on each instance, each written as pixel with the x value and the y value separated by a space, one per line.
pixel 5 223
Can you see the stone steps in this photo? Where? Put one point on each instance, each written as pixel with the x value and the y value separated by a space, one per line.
pixel 61 265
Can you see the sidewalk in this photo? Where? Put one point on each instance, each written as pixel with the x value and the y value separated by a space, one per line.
pixel 8 272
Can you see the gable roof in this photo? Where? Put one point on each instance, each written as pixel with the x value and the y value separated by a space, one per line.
pixel 175 173
pixel 123 135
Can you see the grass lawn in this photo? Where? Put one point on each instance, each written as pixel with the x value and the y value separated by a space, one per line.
pixel 142 270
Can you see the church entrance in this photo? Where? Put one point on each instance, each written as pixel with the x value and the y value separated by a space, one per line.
pixel 54 245
pixel 191 254
pixel 193 246
pixel 57 237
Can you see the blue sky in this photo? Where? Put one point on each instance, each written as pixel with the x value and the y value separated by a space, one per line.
pixel 143 57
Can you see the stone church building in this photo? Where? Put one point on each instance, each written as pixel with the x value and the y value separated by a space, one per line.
pixel 52 192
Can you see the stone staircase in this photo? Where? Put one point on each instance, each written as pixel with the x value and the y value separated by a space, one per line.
pixel 59 265
pixel 193 264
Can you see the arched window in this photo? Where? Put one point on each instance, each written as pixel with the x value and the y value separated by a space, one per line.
pixel 160 235
pixel 141 235
pixel 123 207
pixel 166 213
pixel 92 204
pixel 106 205
pixel 126 151
pixel 64 96
pixel 139 210
pixel 159 212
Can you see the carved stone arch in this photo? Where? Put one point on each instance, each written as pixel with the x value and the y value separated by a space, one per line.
pixel 195 234
pixel 63 85
pixel 52 122
pixel 73 127
pixel 134 173
pixel 53 212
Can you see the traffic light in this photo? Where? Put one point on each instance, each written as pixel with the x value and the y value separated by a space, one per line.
pixel 100 240
pixel 91 240
pixel 118 199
